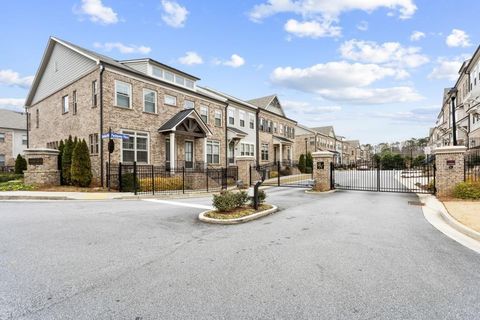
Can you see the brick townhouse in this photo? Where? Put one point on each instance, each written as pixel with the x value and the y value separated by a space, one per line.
pixel 276 132
pixel 169 120
pixel 13 136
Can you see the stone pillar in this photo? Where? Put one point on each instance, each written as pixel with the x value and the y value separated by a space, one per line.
pixel 42 167
pixel 450 168
pixel 243 164
pixel 322 160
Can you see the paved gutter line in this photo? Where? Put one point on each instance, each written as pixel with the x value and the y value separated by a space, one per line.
pixel 180 204
pixel 433 213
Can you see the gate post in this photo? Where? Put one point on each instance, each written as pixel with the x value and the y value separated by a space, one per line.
pixel 244 165
pixel 322 173
pixel 450 166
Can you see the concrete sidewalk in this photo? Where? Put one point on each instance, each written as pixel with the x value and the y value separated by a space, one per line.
pixel 47 195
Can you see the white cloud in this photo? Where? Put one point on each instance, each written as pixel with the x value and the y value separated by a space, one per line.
pixel 389 53
pixel 458 38
pixel 326 13
pixel 344 81
pixel 191 58
pixel 11 78
pixel 362 26
pixel 234 62
pixel 301 107
pixel 97 12
pixel 447 68
pixel 174 14
pixel 312 29
pixel 419 115
pixel 417 36
pixel 12 104
pixel 122 48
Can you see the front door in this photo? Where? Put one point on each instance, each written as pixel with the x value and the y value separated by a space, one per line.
pixel 189 154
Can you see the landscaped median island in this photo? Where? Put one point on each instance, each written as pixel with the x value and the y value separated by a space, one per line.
pixel 236 207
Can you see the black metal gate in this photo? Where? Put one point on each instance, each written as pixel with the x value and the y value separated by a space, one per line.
pixel 282 174
pixel 388 176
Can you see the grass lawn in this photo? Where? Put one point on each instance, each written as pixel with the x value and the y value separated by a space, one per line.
pixel 15 185
pixel 237 213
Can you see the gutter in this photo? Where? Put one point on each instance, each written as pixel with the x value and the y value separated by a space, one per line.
pixel 100 84
pixel 257 137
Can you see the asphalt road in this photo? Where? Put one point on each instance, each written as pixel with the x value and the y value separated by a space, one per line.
pixel 346 255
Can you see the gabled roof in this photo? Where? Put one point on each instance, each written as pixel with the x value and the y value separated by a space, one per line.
pixel 262 102
pixel 324 130
pixel 229 97
pixel 177 119
pixel 153 61
pixel 12 120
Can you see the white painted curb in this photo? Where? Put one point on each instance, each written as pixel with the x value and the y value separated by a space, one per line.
pixel 251 217
pixel 434 212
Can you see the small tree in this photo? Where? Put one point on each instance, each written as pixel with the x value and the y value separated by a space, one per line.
pixel 61 146
pixel 309 162
pixel 81 171
pixel 301 163
pixel 67 160
pixel 20 164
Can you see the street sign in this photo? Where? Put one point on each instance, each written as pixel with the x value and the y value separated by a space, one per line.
pixel 115 135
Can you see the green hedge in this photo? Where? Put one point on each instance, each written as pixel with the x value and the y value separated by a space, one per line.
pixel 467 190
pixel 4 177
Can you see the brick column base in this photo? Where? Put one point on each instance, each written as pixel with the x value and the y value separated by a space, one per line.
pixel 322 160
pixel 42 167
pixel 450 169
pixel 243 164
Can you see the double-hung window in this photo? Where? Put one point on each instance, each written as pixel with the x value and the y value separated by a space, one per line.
pixel 264 151
pixel 247 149
pixel 93 143
pixel 218 118
pixel 204 113
pixel 213 152
pixel 252 120
pixel 241 116
pixel 188 104
pixel 170 100
pixel 136 147
pixel 123 94
pixel 94 93
pixel 65 104
pixel 149 101
pixel 74 101
pixel 274 127
pixel 2 137
pixel 231 117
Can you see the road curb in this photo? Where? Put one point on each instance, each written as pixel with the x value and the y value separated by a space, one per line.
pixel 458 225
pixel 255 216
pixel 35 198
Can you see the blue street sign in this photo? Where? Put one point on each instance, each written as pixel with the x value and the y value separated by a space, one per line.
pixel 115 135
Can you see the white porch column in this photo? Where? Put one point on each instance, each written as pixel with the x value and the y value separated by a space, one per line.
pixel 281 153
pixel 173 156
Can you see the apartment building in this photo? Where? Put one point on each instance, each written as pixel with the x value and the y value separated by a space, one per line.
pixel 276 132
pixel 167 119
pixel 460 104
pixel 13 136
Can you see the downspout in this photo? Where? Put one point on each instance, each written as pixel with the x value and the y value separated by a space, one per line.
pixel 28 128
pixel 257 138
pixel 226 136
pixel 100 84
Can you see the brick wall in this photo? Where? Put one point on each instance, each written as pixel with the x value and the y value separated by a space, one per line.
pixel 6 147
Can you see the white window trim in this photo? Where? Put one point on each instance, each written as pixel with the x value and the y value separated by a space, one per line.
pixel 231 111
pixel 220 113
pixel 203 108
pixel 145 90
pixel 251 118
pixel 135 144
pixel 212 142
pixel 65 98
pixel 169 104
pixel 184 102
pixel 129 94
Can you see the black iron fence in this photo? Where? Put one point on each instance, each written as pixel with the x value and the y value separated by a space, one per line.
pixel 150 179
pixel 472 165
pixel 285 173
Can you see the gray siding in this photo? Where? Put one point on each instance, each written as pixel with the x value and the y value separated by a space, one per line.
pixel 139 66
pixel 70 66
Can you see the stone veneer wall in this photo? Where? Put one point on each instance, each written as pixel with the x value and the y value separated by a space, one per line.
pixel 45 173
pixel 243 164
pixel 448 174
pixel 6 147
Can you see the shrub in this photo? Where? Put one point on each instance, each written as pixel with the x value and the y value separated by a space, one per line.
pixel 241 198
pixel 127 182
pixel 273 174
pixel 301 163
pixel 225 201
pixel 467 190
pixel 161 184
pixel 309 162
pixel 4 177
pixel 262 195
pixel 67 160
pixel 81 170
pixel 20 164
pixel 61 146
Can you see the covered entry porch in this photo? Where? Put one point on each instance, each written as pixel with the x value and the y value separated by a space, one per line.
pixel 185 138
pixel 282 150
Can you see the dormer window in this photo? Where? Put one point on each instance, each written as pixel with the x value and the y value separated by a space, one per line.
pixel 172 77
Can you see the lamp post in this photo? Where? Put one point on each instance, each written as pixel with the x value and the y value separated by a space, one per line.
pixel 453 92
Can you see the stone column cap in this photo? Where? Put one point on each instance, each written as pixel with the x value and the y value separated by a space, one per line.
pixel 41 151
pixel 324 153
pixel 450 149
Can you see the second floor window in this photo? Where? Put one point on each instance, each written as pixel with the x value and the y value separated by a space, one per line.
pixel 2 137
pixel 264 151
pixel 74 101
pixel 64 104
pixel 94 93
pixel 231 117
pixel 204 113
pixel 123 94
pixel 218 118
pixel 242 119
pixel 187 104
pixel 170 100
pixel 274 127
pixel 252 121
pixel 149 101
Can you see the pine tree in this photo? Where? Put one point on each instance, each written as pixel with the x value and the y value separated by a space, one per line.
pixel 20 164
pixel 301 163
pixel 67 160
pixel 309 162
pixel 81 171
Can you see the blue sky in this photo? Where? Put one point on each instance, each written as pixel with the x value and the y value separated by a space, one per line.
pixel 375 69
